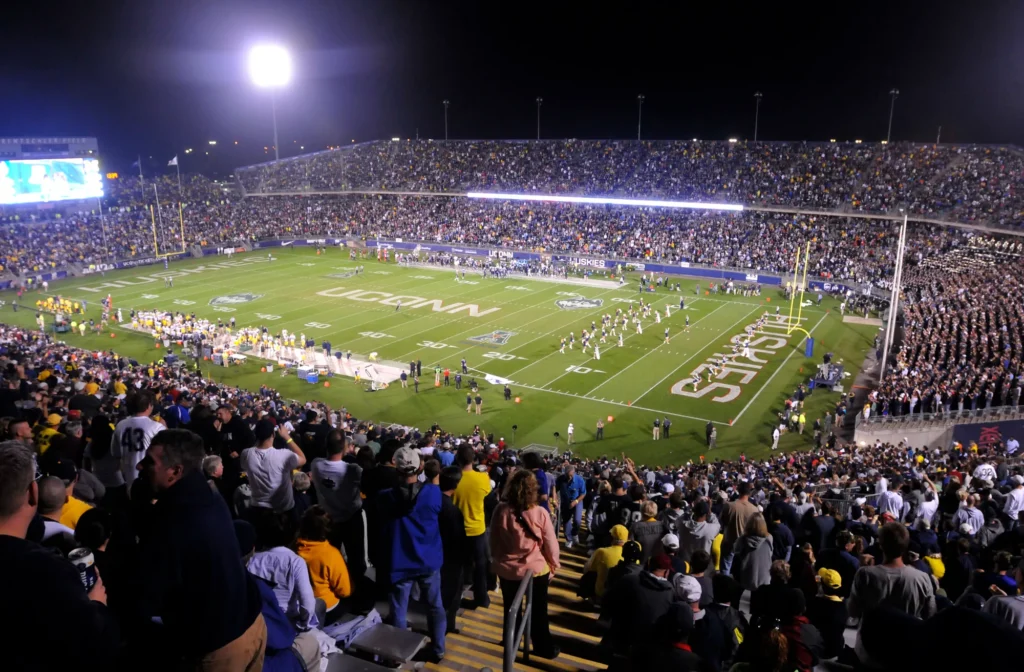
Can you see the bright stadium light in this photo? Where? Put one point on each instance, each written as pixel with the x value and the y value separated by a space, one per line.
pixel 213 142
pixel 595 200
pixel 270 67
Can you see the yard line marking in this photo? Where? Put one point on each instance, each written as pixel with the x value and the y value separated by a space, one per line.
pixel 673 371
pixel 776 372
pixel 523 368
pixel 649 352
pixel 615 403
pixel 632 346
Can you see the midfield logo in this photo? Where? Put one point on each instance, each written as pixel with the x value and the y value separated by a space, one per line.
pixel 234 299
pixel 579 303
pixel 347 274
pixel 493 338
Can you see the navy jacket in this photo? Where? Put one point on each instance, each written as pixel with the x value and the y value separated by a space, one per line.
pixel 190 571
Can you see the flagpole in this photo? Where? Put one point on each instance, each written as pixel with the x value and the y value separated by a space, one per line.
pixel 178 167
pixel 142 180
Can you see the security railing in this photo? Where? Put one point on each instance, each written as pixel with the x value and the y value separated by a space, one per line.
pixel 517 623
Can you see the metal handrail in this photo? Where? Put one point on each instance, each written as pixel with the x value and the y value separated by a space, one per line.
pixel 952 417
pixel 517 625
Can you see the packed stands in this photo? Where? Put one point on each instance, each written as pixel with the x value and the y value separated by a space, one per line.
pixel 206 548
pixel 963 183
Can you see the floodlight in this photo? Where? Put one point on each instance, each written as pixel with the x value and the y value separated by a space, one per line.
pixel 593 200
pixel 270 66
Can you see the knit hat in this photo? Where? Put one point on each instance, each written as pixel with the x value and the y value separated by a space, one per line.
pixel 830 578
pixel 618 532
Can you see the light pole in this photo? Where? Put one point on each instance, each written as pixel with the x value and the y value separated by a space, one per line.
pixel 639 113
pixel 270 67
pixel 757 111
pixel 539 101
pixel 893 93
pixel 446 103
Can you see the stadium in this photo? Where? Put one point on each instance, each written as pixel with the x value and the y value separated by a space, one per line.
pixel 549 404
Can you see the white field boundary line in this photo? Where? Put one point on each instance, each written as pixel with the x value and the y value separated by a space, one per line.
pixel 612 403
pixel 771 377
pixel 594 359
pixel 649 352
pixel 690 358
pixel 547 315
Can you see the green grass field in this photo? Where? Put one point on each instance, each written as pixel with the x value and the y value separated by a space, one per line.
pixel 633 384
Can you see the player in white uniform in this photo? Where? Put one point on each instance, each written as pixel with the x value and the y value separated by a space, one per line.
pixel 620 340
pixel 666 335
pixel 133 434
pixel 695 379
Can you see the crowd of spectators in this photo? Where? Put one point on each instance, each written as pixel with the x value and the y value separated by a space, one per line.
pixel 966 183
pixel 851 249
pixel 227 531
pixel 963 320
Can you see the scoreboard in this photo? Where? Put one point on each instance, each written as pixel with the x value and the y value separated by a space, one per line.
pixel 49 169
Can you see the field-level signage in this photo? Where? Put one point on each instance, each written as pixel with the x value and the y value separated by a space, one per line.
pixel 406 301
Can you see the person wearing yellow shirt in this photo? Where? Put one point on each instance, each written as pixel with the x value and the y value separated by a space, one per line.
pixel 605 558
pixel 45 431
pixel 327 570
pixel 119 387
pixel 469 498
pixel 65 470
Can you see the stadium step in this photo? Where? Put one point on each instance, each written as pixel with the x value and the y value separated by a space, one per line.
pixel 574 627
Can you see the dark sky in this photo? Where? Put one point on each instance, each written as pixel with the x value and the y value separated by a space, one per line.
pixel 156 76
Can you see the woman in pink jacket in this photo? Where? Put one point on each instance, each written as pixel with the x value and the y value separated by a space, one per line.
pixel 523 538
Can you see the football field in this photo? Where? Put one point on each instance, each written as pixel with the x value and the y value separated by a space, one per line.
pixel 508 328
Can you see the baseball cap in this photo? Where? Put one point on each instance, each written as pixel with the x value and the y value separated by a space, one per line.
pixel 407 460
pixel 618 532
pixel 660 562
pixel 74 414
pixel 670 541
pixel 54 419
pixel 830 578
pixel 687 588
pixel 967 529
pixel 667 488
pixel 1017 480
pixel 61 467
pixel 264 429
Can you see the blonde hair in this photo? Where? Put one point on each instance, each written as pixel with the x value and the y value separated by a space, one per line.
pixel 649 509
pixel 756 527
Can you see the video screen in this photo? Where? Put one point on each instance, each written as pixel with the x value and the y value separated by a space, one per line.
pixel 46 180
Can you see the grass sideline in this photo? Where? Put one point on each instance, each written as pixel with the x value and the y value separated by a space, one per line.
pixel 303 292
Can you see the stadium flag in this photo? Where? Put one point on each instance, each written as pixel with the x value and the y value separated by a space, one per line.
pixel 173 162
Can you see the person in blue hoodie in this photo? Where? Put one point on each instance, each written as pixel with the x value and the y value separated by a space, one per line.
pixel 412 540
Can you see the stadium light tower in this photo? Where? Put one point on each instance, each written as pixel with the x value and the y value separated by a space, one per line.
pixel 446 103
pixel 893 93
pixel 270 67
pixel 639 113
pixel 539 101
pixel 757 111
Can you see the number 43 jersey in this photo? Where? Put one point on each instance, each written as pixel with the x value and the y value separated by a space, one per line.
pixel 130 442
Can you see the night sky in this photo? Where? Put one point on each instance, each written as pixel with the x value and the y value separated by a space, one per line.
pixel 155 77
